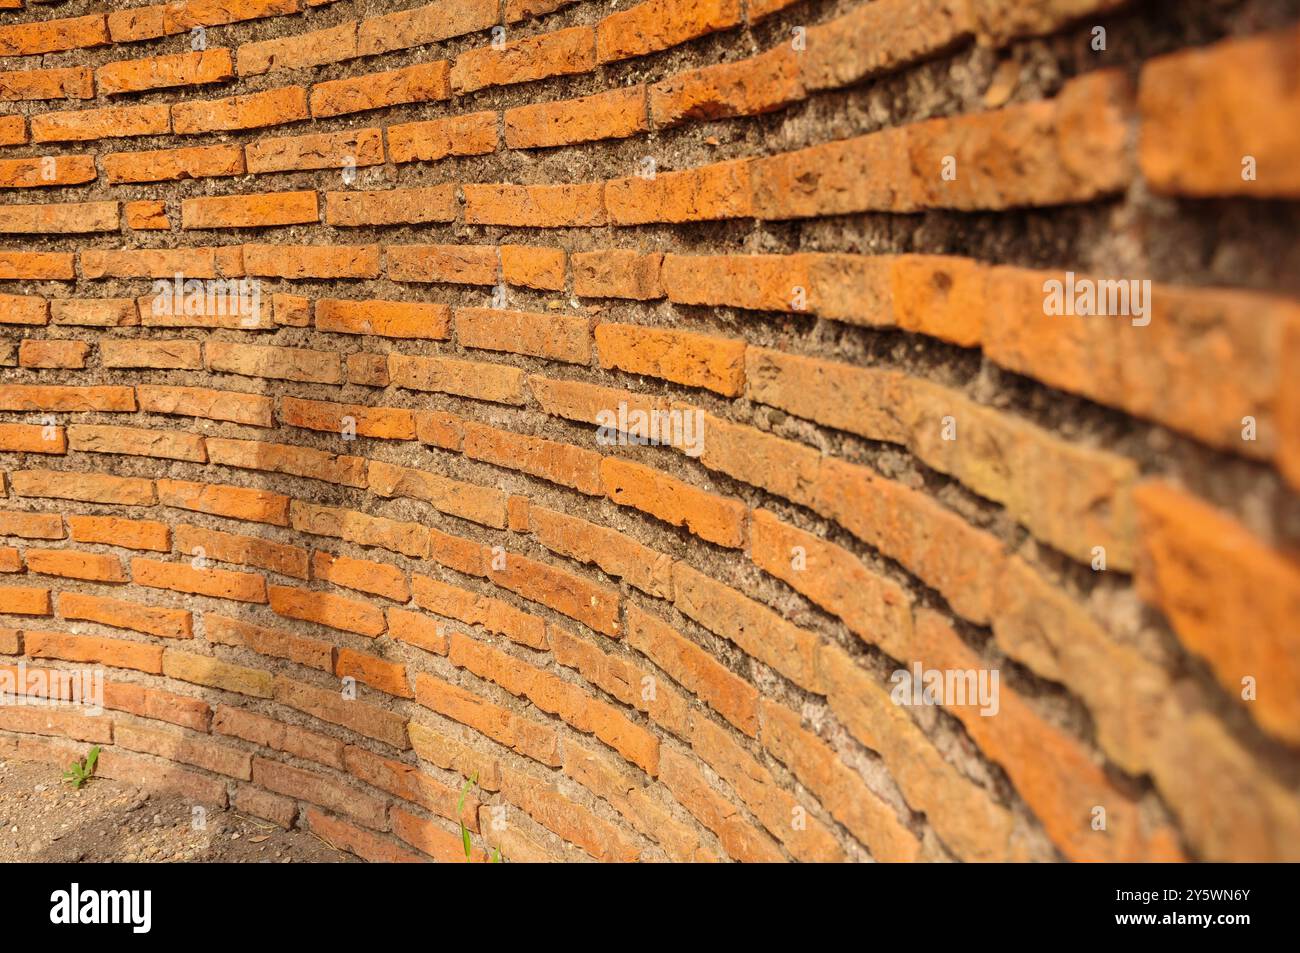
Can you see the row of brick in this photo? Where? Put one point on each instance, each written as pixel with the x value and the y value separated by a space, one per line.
pixel 1008 629
pixel 1033 133
pixel 1116 360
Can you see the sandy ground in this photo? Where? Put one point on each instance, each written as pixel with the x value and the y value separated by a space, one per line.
pixel 43 819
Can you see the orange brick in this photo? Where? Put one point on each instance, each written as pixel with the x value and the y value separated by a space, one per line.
pixel 711 517
pixel 616 114
pixel 492 382
pixel 591 604
pixel 26 600
pixel 1210 576
pixel 162 165
pixel 396 319
pixel 559 53
pixel 287 458
pixel 717 364
pixel 471 608
pixel 184 748
pixel 122 614
pixel 42 173
pixel 616 554
pixel 32 525
pixel 118 653
pixel 533 267
pixel 423 82
pixel 87 487
pixel 150 22
pixel 266 641
pixel 472 134
pixel 178 354
pixel 33 438
pixel 252 409
pixel 746 87
pixel 357 840
pixel 386 423
pixel 95 312
pixel 535 206
pixel 147 215
pixel 529 738
pixel 324 608
pixel 241 503
pixel 252 111
pixel 137 441
pixel 24 397
pixel 250 211
pixel 549 459
pixel 24 309
pixel 309 261
pixel 182 577
pixel 417 630
pixel 716 191
pixel 271 733
pixel 281 363
pixel 695 669
pixel 330 150
pixel 157 705
pixel 214 673
pixel 241 550
pixel 65 217
pixel 659 24
pixel 96 567
pixel 1241 90
pixel 115 531
pixel 424 24
pixel 327 705
pixel 299 50
pixel 158 263
pixel 389 677
pixel 73 82
pixel 363 575
pixel 480 504
pixel 410 539
pixel 742 841
pixel 756 629
pixel 53 354
pixel 557 337
pixel 392 207
pixel 111 122
pixel 458 264
pixel 53 36
pixel 164 72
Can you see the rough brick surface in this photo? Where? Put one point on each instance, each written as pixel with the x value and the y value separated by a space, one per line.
pixel 623 403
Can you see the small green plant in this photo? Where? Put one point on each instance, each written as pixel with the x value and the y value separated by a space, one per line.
pixel 83 769
pixel 495 857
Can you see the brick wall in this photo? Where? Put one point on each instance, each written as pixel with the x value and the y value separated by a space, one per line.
pixel 340 552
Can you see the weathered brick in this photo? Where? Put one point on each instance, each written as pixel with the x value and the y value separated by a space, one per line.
pixel 420 83
pixel 616 114
pixel 111 122
pixel 328 609
pixel 456 264
pixel 49 354
pixel 241 503
pixel 252 409
pixel 718 191
pixel 559 53
pixel 391 207
pixel 471 134
pixel 250 211
pixel 41 173
pixel 533 267
pixel 655 25
pixel 271 107
pixel 125 614
pixel 137 441
pixel 117 653
pixel 746 87
pixel 277 643
pixel 163 72
pixel 535 206
pixel 86 487
pixel 330 150
pixel 697 360
pixel 480 504
pixel 65 217
pixel 271 733
pixel 473 609
pixel 557 337
pixel 492 382
pixel 72 82
pixel 309 261
pixel 53 36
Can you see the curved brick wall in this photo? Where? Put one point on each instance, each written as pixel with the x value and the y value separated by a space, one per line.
pixel 336 556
